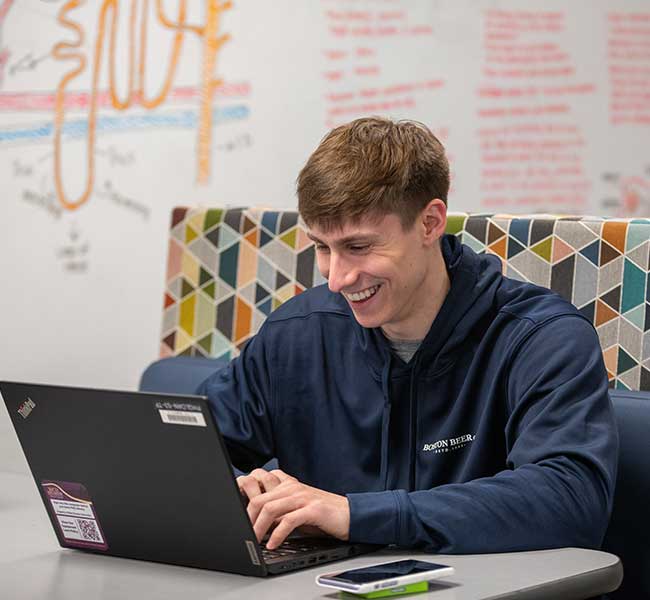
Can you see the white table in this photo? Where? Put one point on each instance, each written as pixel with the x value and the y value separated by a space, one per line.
pixel 32 565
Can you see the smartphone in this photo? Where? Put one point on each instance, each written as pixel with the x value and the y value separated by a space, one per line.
pixel 384 576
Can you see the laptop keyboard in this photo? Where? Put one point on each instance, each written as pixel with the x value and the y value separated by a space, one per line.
pixel 291 547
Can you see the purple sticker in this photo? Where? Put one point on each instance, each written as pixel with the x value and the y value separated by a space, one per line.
pixel 74 514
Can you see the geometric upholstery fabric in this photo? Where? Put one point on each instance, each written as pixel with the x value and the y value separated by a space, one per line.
pixel 227 269
pixel 598 264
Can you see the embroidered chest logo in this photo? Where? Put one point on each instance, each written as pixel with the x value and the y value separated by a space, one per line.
pixel 449 444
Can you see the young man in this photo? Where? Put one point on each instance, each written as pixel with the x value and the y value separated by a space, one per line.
pixel 420 398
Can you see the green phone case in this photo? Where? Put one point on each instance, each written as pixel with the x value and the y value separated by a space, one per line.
pixel 413 588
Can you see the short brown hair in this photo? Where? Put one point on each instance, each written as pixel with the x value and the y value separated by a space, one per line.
pixel 372 166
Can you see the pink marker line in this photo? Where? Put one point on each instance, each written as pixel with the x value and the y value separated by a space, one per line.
pixel 44 101
pixel 4 9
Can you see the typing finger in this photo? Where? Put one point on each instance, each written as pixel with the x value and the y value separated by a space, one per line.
pixel 282 476
pixel 249 486
pixel 274 512
pixel 268 480
pixel 287 524
pixel 257 503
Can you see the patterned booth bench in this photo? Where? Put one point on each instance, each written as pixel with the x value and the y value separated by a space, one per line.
pixel 228 269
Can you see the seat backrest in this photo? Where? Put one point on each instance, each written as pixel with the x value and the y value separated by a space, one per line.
pixel 228 269
pixel 629 526
pixel 178 374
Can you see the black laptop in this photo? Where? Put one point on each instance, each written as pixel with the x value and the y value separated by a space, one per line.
pixel 146 476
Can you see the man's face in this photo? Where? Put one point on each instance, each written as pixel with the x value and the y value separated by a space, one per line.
pixel 385 273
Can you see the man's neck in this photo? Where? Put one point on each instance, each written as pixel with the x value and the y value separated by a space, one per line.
pixel 431 296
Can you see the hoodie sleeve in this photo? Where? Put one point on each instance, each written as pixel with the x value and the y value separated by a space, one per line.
pixel 562 448
pixel 240 397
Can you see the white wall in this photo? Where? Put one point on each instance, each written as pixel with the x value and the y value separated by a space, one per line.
pixel 521 93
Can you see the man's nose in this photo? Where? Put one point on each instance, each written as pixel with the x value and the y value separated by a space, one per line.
pixel 340 274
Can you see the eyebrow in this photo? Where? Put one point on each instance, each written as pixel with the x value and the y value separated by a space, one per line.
pixel 346 240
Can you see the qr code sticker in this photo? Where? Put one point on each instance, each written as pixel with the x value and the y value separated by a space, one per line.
pixel 89 530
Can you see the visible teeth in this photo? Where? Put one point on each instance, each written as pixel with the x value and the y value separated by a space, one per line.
pixel 362 295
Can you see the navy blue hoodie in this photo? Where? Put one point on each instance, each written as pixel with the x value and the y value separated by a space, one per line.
pixel 497 436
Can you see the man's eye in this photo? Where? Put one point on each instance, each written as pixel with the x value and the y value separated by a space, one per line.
pixel 359 248
pixel 321 248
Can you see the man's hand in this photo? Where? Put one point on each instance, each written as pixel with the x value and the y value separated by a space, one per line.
pixel 275 498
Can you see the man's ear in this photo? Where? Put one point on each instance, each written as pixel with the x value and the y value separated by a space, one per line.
pixel 433 220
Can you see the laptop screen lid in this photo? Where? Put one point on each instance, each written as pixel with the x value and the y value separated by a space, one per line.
pixel 134 474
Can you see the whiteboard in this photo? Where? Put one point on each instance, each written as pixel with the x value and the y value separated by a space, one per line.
pixel 113 112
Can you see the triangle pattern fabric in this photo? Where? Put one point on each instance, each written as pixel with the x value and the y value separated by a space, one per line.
pixel 476 227
pixel 495 233
pixel 455 223
pixel 178 214
pixel 637 233
pixel 604 313
pixel 607 253
pixel 625 361
pixel 610 356
pixel 614 233
pixel 195 221
pixel 540 229
pixel 644 382
pixel 248 224
pixel 585 281
pixel 303 241
pixel 634 280
pixel 190 234
pixel 636 316
pixel 499 247
pixel 519 229
pixel 261 293
pixel 475 244
pixel 574 233
pixel 289 238
pixel 281 280
pixel 613 298
pixel 252 237
pixel 543 249
pixel 227 269
pixel 265 238
pixel 560 250
pixel 592 252
pixel 211 218
pixel 514 247
pixel 631 377
pixel 640 255
pixel 227 236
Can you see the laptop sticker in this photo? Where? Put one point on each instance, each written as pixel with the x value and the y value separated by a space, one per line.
pixel 180 413
pixel 25 409
pixel 75 514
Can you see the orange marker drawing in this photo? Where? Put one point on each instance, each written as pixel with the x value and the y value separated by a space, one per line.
pixel 211 42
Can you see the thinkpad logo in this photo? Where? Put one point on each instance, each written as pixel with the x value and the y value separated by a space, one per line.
pixel 26 408
pixel 449 444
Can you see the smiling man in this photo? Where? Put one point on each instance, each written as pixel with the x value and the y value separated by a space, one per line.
pixel 420 398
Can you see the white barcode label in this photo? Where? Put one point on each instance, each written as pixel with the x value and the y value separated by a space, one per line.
pixel 182 417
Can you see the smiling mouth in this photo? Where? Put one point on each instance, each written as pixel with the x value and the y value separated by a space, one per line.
pixel 363 294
